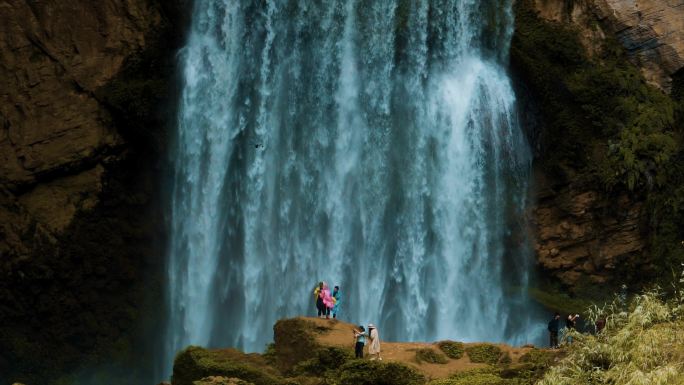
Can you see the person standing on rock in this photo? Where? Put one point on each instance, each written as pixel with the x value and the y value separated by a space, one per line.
pixel 554 326
pixel 360 336
pixel 570 324
pixel 320 306
pixel 374 347
pixel 336 294
pixel 327 299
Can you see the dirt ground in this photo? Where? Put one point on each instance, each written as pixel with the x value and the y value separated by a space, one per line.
pixel 341 335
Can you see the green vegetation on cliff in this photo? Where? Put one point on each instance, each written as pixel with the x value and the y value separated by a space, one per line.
pixel 602 124
pixel 452 349
pixel 642 343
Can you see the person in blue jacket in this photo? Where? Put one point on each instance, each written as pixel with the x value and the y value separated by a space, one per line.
pixel 360 337
pixel 338 297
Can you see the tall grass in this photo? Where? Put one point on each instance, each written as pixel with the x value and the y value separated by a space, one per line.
pixel 642 344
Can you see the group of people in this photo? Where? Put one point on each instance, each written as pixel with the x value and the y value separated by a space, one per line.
pixel 360 336
pixel 328 303
pixel 554 327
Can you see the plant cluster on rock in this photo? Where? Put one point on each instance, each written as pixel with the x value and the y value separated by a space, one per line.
pixel 431 356
pixel 452 349
pixel 486 354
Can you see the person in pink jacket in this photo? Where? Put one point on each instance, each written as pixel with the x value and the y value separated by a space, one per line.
pixel 327 299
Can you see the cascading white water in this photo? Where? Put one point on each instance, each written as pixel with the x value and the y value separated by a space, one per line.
pixel 370 144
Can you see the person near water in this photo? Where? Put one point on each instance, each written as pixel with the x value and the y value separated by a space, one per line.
pixel 600 324
pixel 320 306
pixel 360 337
pixel 554 326
pixel 327 299
pixel 571 324
pixel 374 346
pixel 337 296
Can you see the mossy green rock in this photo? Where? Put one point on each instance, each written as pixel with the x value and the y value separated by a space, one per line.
pixel 479 379
pixel 430 356
pixel 365 372
pixel 221 381
pixel 484 353
pixel 325 360
pixel 295 342
pixel 195 363
pixel 452 349
pixel 481 376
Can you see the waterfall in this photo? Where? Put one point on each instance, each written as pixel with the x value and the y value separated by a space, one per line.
pixel 370 144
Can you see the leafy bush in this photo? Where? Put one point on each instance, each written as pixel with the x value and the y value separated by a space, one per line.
pixel 195 363
pixel 364 372
pixel 484 353
pixel 452 349
pixel 481 376
pixel 641 344
pixel 326 359
pixel 478 379
pixel 537 357
pixel 431 356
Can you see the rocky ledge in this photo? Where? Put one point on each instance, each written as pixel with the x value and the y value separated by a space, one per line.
pixel 312 351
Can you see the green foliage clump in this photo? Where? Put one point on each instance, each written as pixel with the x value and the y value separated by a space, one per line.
pixel 452 349
pixel 326 359
pixel 530 367
pixel 195 363
pixel 365 372
pixel 295 342
pixel 430 356
pixel 555 300
pixel 538 357
pixel 270 353
pixel 212 380
pixel 480 379
pixel 484 353
pixel 480 376
pixel 641 344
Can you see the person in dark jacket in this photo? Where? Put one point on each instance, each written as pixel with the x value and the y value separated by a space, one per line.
pixel 554 327
pixel 600 324
pixel 571 324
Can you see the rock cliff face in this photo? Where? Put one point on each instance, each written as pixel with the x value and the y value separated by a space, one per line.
pixel 584 237
pixel 55 133
pixel 652 31
pixel 77 218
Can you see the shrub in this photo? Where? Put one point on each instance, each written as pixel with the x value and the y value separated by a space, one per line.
pixel 484 353
pixel 362 372
pixel 326 359
pixel 195 363
pixel 295 342
pixel 431 356
pixel 452 349
pixel 479 379
pixel 481 376
pixel 537 357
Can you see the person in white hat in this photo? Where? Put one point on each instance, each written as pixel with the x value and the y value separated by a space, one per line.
pixel 374 346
